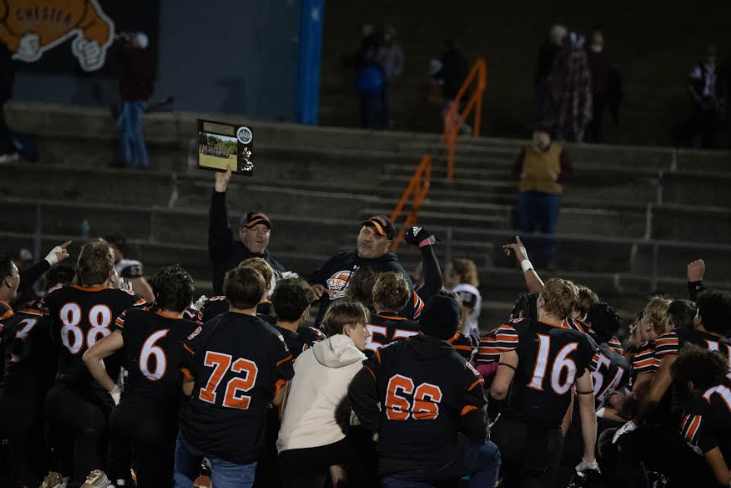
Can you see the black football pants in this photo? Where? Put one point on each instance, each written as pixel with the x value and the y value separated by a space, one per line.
pixel 152 439
pixel 308 468
pixel 530 454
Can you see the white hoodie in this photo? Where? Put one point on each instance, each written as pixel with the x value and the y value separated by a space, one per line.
pixel 322 375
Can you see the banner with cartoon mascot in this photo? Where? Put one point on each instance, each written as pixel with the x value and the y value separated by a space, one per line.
pixel 32 27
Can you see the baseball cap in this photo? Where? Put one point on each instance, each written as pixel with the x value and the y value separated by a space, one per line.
pixel 253 218
pixel 382 225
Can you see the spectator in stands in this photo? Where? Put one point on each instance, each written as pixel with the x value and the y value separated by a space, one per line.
pixel 463 279
pixel 541 169
pixel 708 102
pixel 136 80
pixel 7 79
pixel 253 239
pixel 310 440
pixel 130 269
pixel 391 59
pixel 370 79
pixel 600 66
pixel 373 250
pixel 570 105
pixel 452 75
pixel 544 65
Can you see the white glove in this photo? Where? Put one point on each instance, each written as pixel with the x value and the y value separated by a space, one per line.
pixel 116 394
pixel 584 466
pixel 89 53
pixel 29 48
pixel 625 429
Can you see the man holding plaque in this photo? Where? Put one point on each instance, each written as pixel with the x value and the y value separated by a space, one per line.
pixel 253 237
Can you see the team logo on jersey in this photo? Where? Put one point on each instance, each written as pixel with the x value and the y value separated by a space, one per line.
pixel 195 333
pixel 244 135
pixel 337 284
pixel 31 27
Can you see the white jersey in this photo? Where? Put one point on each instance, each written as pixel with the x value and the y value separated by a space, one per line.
pixel 129 268
pixel 470 297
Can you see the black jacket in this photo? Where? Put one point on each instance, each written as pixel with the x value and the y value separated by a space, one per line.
pixel 335 274
pixel 418 394
pixel 226 252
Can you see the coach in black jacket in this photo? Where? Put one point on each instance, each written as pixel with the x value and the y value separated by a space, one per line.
pixel 226 252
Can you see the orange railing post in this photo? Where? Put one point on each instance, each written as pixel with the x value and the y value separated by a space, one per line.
pixel 454 121
pixel 417 189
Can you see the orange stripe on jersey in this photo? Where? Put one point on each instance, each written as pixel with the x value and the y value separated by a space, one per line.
pixel 489 350
pixel 693 428
pixel 477 382
pixel 645 362
pixel 7 315
pixel 141 301
pixel 278 386
pixel 186 373
pixel 88 288
pixel 467 409
pixel 453 338
pixel 185 346
pixel 390 317
pixel 461 348
pixel 670 341
pixel 282 361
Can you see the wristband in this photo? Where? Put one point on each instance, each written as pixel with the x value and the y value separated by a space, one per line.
pixel 526 265
pixel 426 242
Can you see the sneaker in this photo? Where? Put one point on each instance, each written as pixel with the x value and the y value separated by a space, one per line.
pixel 53 480
pixel 97 479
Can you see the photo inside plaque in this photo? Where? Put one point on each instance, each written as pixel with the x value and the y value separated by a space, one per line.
pixel 222 146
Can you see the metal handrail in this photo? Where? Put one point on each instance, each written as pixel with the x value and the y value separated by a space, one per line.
pixel 417 189
pixel 454 122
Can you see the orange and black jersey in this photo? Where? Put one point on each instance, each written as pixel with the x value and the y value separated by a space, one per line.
pixel 464 345
pixel 609 371
pixel 298 342
pixel 82 316
pixel 498 340
pixel 6 311
pixel 28 353
pixel 153 355
pixel 550 359
pixel 216 306
pixel 643 360
pixel 387 328
pixel 413 308
pixel 239 363
pixel 707 420
pixel 418 393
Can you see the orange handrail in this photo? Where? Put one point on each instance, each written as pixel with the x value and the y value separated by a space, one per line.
pixel 418 188
pixel 454 121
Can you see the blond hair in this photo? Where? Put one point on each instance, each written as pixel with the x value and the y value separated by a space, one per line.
pixel 559 297
pixel 656 312
pixel 95 263
pixel 466 269
pixel 265 269
pixel 391 292
pixel 586 298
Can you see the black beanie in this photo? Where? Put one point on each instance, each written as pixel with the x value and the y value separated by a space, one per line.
pixel 440 317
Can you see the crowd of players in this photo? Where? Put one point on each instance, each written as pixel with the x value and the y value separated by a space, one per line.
pixel 391 385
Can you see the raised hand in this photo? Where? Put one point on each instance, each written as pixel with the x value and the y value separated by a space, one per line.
pixel 696 270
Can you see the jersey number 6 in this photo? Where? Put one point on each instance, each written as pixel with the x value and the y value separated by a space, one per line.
pixel 426 399
pixel 233 397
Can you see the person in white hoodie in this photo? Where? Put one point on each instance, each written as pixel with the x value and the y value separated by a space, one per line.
pixel 463 279
pixel 310 439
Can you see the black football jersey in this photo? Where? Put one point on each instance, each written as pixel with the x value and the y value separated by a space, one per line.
pixel 193 315
pixel 81 317
pixel 6 311
pixel 413 308
pixel 707 420
pixel 298 342
pixel 239 363
pixel 386 328
pixel 28 353
pixel 153 356
pixel 425 389
pixel 642 360
pixel 490 347
pixel 609 371
pixel 464 345
pixel 216 306
pixel 671 343
pixel 550 359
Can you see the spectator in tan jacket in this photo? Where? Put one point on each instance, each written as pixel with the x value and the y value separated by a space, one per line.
pixel 541 169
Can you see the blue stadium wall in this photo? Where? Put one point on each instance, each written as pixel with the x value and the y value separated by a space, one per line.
pixel 214 56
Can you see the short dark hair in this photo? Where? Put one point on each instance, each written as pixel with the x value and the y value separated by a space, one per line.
pixel 6 266
pixel 173 288
pixel 714 309
pixel 586 299
pixel 61 274
pixel 391 292
pixel 244 287
pixel 525 306
pixel 604 320
pixel 117 241
pixel 704 368
pixel 681 313
pixel 95 263
pixel 291 297
pixel 343 313
pixel 360 286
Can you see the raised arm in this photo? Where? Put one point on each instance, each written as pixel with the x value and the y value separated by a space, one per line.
pixel 419 236
pixel 695 272
pixel 29 277
pixel 220 236
pixel 532 281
